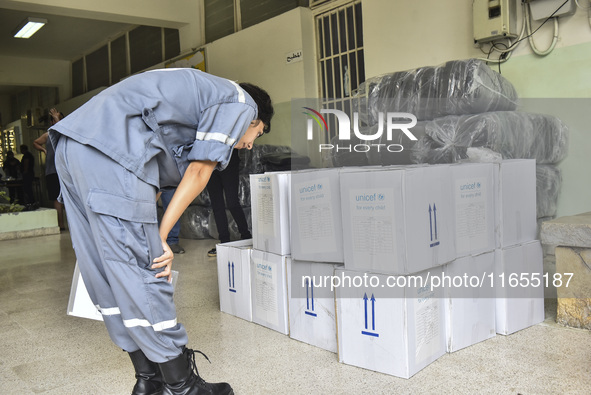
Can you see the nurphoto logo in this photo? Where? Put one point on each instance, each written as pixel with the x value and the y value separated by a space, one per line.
pixel 391 122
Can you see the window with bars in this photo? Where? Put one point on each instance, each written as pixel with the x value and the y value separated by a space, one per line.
pixel 341 65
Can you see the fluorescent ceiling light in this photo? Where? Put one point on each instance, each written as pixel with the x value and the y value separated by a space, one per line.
pixel 29 26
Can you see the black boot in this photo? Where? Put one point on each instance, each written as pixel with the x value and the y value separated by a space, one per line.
pixel 181 377
pixel 149 379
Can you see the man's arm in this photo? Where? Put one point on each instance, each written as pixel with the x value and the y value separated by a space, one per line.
pixel 193 182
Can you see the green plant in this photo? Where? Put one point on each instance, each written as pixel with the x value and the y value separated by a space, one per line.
pixel 6 206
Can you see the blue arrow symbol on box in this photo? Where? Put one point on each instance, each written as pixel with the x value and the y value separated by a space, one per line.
pixel 233 278
pixel 373 313
pixel 435 219
pixel 312 294
pixel 365 304
pixel 373 316
pixel 430 223
pixel 308 299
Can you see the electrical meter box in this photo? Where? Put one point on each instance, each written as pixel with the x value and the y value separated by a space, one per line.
pixel 494 19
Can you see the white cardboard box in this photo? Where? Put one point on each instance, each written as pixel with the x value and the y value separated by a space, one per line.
pixel 474 205
pixel 80 304
pixel 393 330
pixel 469 308
pixel 234 278
pixel 316 228
pixel 269 199
pixel 269 292
pixel 398 220
pixel 312 317
pixel 515 203
pixel 519 303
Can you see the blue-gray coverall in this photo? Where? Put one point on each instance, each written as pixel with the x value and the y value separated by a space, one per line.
pixel 112 156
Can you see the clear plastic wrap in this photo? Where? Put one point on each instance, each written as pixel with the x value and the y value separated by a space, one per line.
pixel 457 87
pixel 202 199
pixel 548 182
pixel 244 190
pixel 515 135
pixel 195 223
pixel 397 151
pixel 348 157
pixel 251 161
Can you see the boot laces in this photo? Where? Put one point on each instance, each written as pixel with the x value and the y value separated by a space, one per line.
pixel 191 355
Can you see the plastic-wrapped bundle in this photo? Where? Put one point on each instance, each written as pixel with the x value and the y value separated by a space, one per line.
pixel 348 157
pixel 548 181
pixel 234 234
pixel 457 87
pixel 251 161
pixel 515 135
pixel 244 190
pixel 202 199
pixel 397 151
pixel 195 223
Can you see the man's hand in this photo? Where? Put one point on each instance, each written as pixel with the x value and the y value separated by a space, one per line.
pixel 164 260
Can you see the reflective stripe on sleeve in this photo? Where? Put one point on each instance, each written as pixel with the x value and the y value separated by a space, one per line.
pixel 241 97
pixel 222 138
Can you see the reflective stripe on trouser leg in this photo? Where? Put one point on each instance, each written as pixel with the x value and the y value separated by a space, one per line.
pixel 118 209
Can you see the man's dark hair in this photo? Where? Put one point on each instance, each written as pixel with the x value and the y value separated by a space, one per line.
pixel 263 101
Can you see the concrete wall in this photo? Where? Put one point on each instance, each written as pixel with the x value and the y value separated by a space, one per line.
pixel 258 55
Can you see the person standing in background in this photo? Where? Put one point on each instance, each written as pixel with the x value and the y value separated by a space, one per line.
pixel 11 168
pixel 28 173
pixel 43 144
pixel 226 183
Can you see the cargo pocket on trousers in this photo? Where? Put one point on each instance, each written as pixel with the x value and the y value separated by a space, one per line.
pixel 128 229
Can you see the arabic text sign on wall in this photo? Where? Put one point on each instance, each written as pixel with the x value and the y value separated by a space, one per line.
pixel 294 56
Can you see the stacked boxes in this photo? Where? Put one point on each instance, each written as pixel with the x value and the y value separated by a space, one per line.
pixel 397 221
pixel 470 310
pixel 270 261
pixel 518 255
pixel 317 250
pixel 396 230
